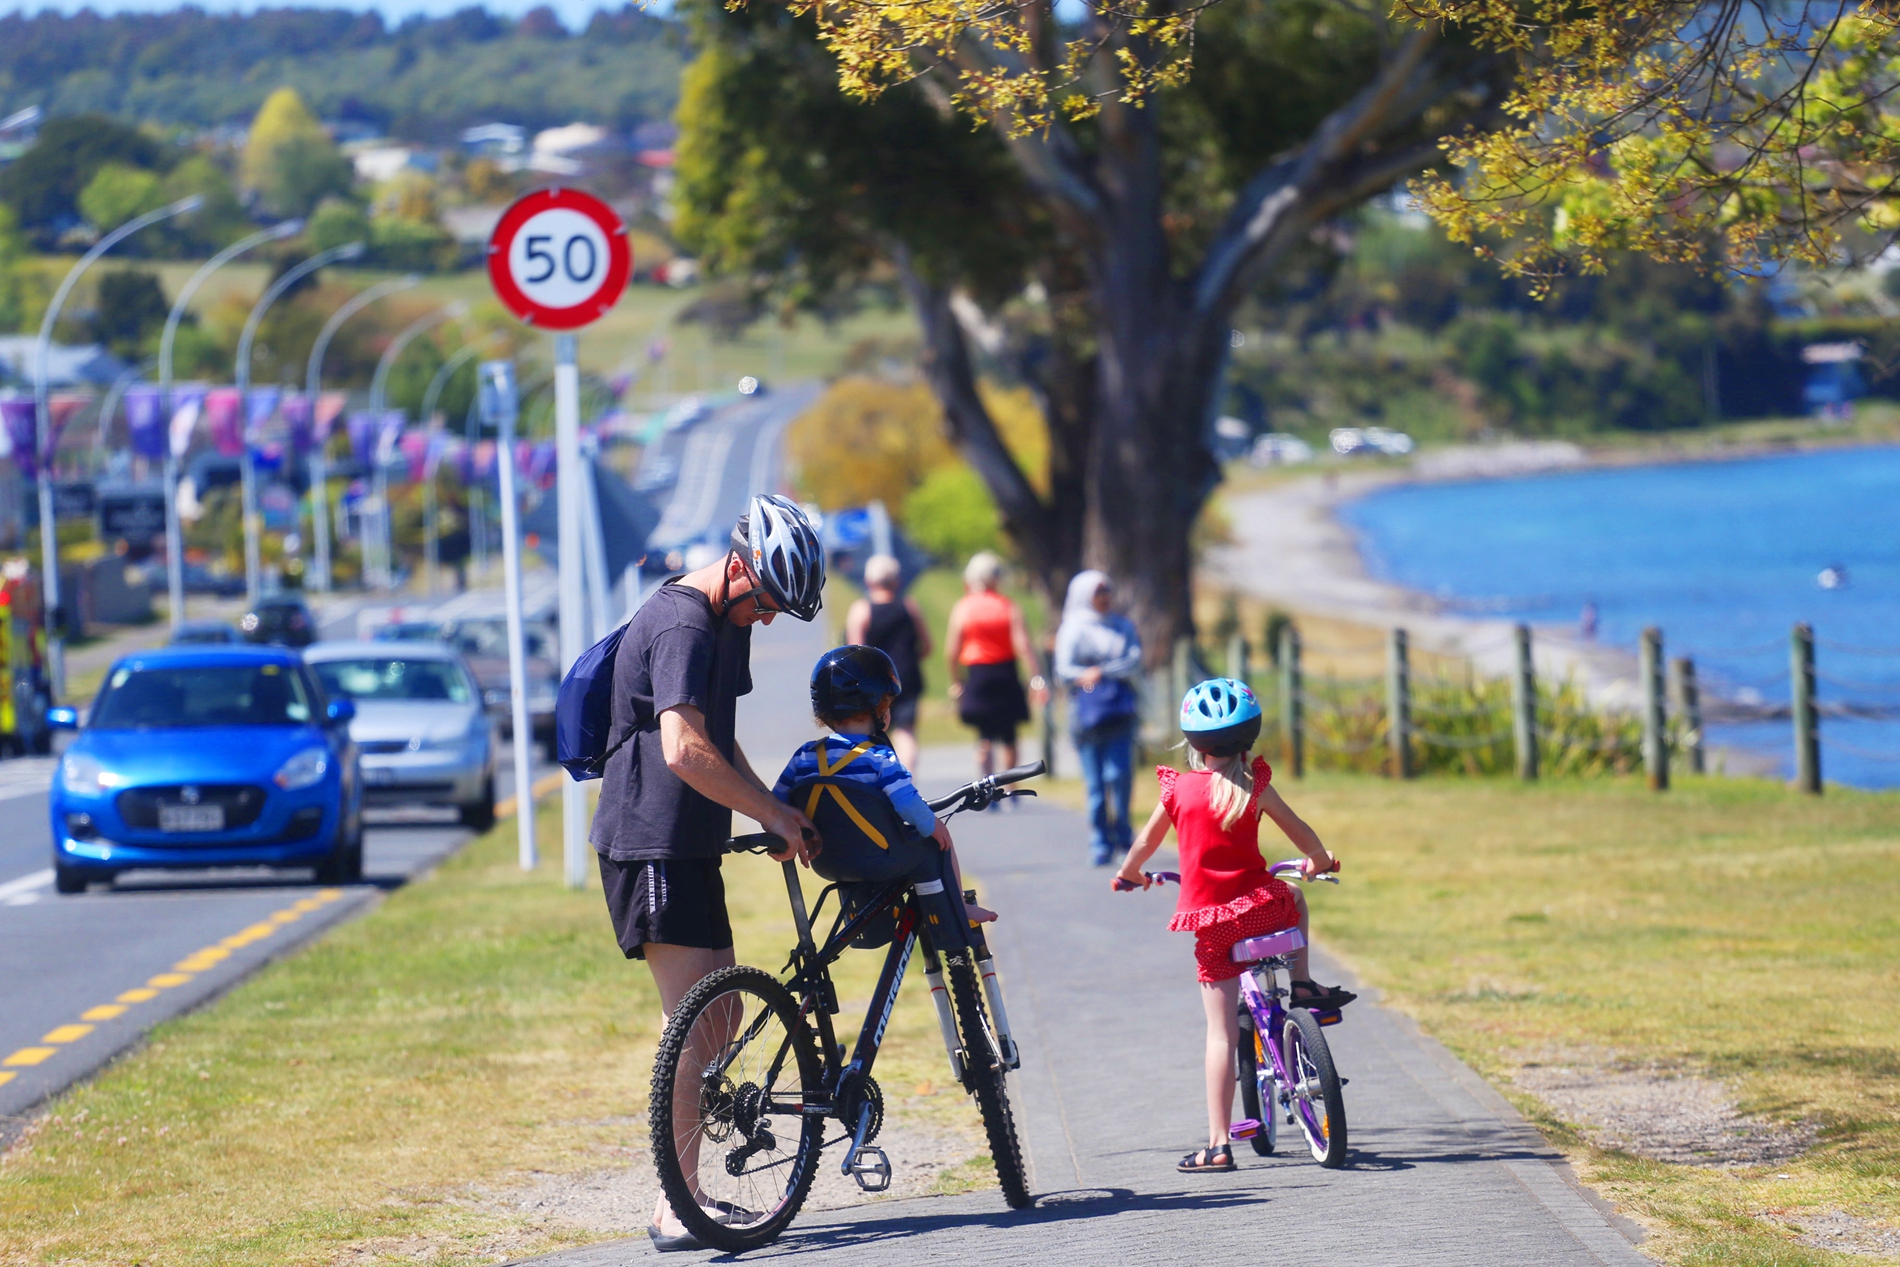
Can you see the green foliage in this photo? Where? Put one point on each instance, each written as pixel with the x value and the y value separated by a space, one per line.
pixel 336 222
pixel 290 160
pixel 952 515
pixel 213 226
pixel 411 245
pixel 423 79
pixel 785 181
pixel 117 193
pixel 44 184
pixel 17 289
pixel 130 313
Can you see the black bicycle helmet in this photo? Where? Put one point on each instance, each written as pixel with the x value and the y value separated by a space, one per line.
pixel 852 679
pixel 777 543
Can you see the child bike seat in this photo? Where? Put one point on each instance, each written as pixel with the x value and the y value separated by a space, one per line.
pixel 1284 942
pixel 865 838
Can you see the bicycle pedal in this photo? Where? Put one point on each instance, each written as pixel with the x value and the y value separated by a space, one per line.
pixel 871 1168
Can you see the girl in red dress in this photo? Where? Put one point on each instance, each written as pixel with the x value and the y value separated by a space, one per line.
pixel 1227 894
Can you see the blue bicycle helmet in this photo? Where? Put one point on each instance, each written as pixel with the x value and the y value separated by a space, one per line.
pixel 1220 717
pixel 852 680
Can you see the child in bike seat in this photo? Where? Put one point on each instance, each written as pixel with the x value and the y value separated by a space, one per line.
pixel 850 782
pixel 1227 893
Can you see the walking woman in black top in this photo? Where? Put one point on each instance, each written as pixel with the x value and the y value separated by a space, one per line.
pixel 895 626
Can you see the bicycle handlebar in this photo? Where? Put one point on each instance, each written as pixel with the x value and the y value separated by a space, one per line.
pixel 978 793
pixel 1295 865
pixel 1156 877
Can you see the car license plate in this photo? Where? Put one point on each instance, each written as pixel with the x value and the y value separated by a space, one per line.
pixel 191 818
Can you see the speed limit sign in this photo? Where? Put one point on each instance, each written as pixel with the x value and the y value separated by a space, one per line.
pixel 559 258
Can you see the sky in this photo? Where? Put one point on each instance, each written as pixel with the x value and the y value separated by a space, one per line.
pixel 574 13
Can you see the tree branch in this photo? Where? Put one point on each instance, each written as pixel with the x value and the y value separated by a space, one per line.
pixel 947 365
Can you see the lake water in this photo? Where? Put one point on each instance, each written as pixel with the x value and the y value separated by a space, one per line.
pixel 1724 556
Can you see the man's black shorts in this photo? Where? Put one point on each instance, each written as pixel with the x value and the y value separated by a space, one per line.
pixel 674 903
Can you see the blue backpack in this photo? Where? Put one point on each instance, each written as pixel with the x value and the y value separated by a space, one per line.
pixel 583 711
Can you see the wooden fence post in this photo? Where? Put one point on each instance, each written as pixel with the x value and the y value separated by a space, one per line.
pixel 1237 666
pixel 1688 699
pixel 1294 757
pixel 1655 732
pixel 1524 707
pixel 1807 721
pixel 1398 704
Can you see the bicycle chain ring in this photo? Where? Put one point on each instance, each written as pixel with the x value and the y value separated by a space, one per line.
pixel 848 1111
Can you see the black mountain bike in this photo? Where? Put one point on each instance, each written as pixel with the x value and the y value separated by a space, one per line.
pixel 750 1070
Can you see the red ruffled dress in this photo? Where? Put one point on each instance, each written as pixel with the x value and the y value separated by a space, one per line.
pixel 1227 894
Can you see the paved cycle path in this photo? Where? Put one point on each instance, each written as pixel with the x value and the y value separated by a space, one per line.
pixel 1103 1001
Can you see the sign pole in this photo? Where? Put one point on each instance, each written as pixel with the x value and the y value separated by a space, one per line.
pixel 570 472
pixel 498 401
pixel 559 260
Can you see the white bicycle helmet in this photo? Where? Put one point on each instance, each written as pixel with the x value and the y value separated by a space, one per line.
pixel 777 543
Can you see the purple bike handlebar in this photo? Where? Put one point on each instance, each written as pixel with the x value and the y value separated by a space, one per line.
pixel 1157 877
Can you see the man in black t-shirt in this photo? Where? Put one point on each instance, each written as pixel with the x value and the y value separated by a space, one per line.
pixel 669 790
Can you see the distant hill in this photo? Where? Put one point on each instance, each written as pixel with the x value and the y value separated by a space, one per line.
pixel 421 80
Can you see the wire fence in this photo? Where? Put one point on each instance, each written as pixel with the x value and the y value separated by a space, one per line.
pixel 1473 723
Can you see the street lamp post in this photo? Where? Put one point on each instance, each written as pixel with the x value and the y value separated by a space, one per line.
pixel 430 550
pixel 408 334
pixel 247 469
pixel 49 536
pixel 313 387
pixel 174 535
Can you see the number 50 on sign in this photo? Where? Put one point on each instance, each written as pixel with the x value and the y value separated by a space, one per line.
pixel 559 258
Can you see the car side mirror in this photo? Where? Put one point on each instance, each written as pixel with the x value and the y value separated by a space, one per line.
pixel 62 718
pixel 341 710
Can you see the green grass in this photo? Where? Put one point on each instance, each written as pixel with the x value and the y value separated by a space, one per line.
pixel 477 1026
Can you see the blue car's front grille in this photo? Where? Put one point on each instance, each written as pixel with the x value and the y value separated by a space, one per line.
pixel 382 746
pixel 242 803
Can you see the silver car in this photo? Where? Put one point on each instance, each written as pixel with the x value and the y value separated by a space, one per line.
pixel 420 728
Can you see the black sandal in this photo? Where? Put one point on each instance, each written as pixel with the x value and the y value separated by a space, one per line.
pixel 1218 1159
pixel 1319 998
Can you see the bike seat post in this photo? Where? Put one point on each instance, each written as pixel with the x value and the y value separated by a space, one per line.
pixel 800 918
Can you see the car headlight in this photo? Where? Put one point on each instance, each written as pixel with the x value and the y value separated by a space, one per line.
pixel 86 776
pixel 302 770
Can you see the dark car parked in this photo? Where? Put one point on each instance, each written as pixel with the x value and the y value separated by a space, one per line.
pixel 283 622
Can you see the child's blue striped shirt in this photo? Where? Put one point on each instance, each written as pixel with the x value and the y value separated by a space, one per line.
pixel 878 767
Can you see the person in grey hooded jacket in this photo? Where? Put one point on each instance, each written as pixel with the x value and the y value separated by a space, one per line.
pixel 1098 657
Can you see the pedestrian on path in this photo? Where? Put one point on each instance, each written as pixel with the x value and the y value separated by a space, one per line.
pixel 984 645
pixel 675 772
pixel 1098 657
pixel 884 618
pixel 1227 893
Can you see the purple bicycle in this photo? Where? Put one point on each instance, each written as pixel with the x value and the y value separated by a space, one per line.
pixel 1286 1069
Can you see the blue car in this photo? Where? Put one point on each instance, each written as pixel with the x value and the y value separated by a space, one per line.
pixel 203 756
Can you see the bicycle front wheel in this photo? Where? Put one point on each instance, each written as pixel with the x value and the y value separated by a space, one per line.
pixel 735 1149
pixel 983 1077
pixel 1318 1104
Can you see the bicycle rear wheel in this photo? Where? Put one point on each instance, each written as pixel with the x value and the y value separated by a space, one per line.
pixel 735 1150
pixel 983 1077
pixel 1318 1104
pixel 1256 1076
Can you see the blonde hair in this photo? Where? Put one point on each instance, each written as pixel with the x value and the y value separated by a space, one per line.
pixel 1230 790
pixel 882 570
pixel 982 571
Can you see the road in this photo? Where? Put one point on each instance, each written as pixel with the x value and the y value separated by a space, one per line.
pixel 1102 997
pixel 88 975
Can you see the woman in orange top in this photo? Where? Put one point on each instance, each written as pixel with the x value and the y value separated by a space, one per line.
pixel 986 638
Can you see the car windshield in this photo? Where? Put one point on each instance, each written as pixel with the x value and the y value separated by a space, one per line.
pixel 202 695
pixel 394 678
pixel 409 631
pixel 490 638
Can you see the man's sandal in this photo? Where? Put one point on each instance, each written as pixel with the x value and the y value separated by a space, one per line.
pixel 1311 994
pixel 1216 1160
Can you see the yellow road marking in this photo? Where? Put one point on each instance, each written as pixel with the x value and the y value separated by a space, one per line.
pixel 67 1034
pixel 165 980
pixel 506 807
pixel 139 995
pixel 198 961
pixel 286 917
pixel 6 1078
pixel 104 1012
pixel 29 1056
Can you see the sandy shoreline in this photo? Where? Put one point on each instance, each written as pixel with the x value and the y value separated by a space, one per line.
pixel 1291 549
